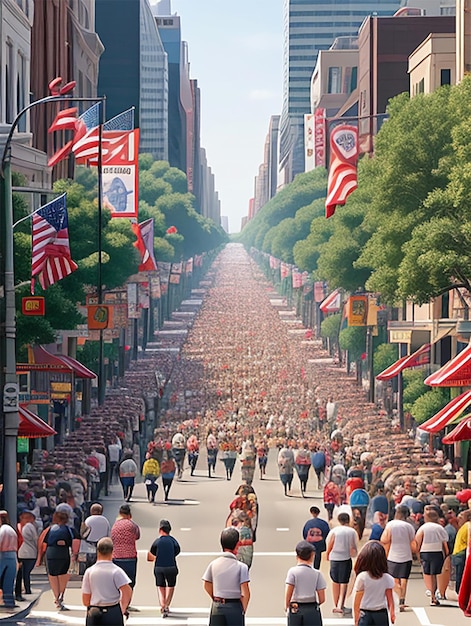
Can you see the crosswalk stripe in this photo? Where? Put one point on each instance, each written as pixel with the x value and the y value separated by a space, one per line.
pixel 196 620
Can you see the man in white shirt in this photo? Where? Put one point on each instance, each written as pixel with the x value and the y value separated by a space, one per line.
pixel 102 463
pixel 341 547
pixel 94 528
pixel 114 454
pixel 105 589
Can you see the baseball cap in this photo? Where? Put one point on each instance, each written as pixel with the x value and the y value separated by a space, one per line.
pixel 304 549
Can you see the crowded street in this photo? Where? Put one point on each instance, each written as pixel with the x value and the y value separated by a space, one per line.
pixel 247 380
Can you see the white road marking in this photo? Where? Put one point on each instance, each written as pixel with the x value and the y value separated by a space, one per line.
pixel 212 554
pixel 185 530
pixel 282 530
pixel 423 618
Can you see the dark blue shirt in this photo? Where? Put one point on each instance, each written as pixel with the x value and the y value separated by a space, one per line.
pixel 315 531
pixel 165 548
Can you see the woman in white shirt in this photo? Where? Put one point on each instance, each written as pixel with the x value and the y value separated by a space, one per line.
pixel 432 543
pixel 373 587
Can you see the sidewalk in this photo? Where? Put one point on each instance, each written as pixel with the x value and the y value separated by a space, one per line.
pixel 39 584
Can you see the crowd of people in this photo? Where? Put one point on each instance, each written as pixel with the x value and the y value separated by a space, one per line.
pixel 244 381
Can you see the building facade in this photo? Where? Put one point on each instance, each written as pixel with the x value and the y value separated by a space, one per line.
pixel 133 70
pixel 308 28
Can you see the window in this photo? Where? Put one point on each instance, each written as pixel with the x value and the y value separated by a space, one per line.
pixel 21 91
pixel 445 77
pixel 335 80
pixel 421 86
pixel 9 85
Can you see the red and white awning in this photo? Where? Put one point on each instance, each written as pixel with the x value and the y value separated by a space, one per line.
pixel 331 304
pixel 32 426
pixel 461 433
pixel 448 414
pixel 41 355
pixel 419 357
pixel 455 373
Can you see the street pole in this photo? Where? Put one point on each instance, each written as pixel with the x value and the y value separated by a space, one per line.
pixel 8 380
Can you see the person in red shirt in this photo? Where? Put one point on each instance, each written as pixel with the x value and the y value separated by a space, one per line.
pixel 124 535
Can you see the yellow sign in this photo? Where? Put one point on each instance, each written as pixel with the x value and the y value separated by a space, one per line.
pixel 400 336
pixel 357 310
pixel 61 387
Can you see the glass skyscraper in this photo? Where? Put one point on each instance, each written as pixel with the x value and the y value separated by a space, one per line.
pixel 310 26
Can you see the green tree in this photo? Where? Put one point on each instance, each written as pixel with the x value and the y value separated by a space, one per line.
pixel 414 387
pixel 384 356
pixel 428 404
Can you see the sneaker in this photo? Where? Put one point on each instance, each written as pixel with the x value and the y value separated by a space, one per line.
pixel 428 593
pixel 438 595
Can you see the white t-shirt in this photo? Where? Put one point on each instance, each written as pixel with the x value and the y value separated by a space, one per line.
pixel 227 575
pixel 374 590
pixel 433 537
pixel 345 540
pixel 402 533
pixel 306 582
pixel 103 581
pixel 99 527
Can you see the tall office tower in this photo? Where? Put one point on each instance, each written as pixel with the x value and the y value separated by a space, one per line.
pixel 180 98
pixel 133 70
pixel 310 26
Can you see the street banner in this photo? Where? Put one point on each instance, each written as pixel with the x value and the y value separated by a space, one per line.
pixel 343 166
pixel 309 161
pixel 357 310
pixel 120 173
pixel 319 137
pixel 133 302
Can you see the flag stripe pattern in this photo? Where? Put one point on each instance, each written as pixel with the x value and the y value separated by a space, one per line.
pixel 343 166
pixel 51 259
pixel 123 121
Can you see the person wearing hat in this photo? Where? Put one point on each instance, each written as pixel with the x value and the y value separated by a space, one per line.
pixel 305 589
pixel 163 552
pixel 226 581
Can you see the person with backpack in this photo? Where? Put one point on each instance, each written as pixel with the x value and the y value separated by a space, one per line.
pixel 315 532
pixel 305 589
pixel 150 474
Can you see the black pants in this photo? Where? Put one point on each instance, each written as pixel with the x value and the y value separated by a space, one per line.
pixel 104 616
pixel 373 618
pixel 227 614
pixel 26 566
pixel 304 614
pixel 317 559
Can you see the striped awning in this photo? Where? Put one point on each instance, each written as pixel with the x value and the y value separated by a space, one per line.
pixel 461 433
pixel 448 414
pixel 455 373
pixel 419 357
pixel 331 304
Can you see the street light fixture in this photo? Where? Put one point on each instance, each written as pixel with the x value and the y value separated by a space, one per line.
pixel 8 380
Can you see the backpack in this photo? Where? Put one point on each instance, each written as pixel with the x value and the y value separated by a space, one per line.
pixel 314 535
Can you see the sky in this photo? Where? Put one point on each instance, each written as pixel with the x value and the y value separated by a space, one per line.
pixel 235 53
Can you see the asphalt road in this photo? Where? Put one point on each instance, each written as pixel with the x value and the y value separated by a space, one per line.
pixel 197 511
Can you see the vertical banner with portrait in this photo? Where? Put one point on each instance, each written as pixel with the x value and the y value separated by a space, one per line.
pixel 120 172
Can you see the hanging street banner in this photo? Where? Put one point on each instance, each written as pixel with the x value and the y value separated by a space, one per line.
pixel 120 173
pixel 33 305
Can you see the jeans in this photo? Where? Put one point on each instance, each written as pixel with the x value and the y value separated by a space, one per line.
pixel 130 567
pixel 8 576
pixel 24 575
pixel 373 618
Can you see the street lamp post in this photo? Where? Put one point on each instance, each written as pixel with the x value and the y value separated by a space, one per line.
pixel 8 381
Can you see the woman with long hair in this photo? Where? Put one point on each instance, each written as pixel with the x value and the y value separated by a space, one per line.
pixel 373 588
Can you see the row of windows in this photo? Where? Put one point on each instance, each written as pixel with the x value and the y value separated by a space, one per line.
pixel 342 2
pixel 304 57
pixel 325 25
pixel 335 13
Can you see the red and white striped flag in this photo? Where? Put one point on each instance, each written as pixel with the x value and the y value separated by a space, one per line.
pixel 51 259
pixel 343 166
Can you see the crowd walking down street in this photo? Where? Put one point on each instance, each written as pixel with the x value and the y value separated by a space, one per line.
pixel 250 402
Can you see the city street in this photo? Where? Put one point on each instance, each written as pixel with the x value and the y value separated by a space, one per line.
pixel 197 510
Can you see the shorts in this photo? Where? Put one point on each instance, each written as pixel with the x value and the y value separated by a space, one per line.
pixel 166 576
pixel 130 567
pixel 432 562
pixel 57 567
pixel 340 571
pixel 399 570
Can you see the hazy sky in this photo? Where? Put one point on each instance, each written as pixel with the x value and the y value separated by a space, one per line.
pixel 235 53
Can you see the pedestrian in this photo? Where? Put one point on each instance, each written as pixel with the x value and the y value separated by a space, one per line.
pixel 168 467
pixel 124 534
pixel 103 470
pixel 193 449
pixel 332 498
pixel 127 475
pixel 106 591
pixel 27 552
pixel 114 454
pixel 163 552
pixel 432 544
pixel 303 465
pixel 8 560
pixel 315 532
pixel 399 542
pixel 229 457
pixel 248 459
pixel 286 467
pixel 178 452
pixel 58 541
pixel 243 523
pixel 212 452
pixel 459 549
pixel 150 473
pixel 95 527
pixel 226 581
pixel 305 589
pixel 262 455
pixel 373 588
pixel 318 462
pixel 341 547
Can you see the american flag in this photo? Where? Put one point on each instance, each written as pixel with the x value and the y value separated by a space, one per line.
pixel 86 148
pixel 343 166
pixel 51 260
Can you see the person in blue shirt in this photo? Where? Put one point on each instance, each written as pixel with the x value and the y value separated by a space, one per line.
pixel 163 552
pixel 315 532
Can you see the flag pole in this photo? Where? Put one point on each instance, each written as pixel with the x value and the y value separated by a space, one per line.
pixel 101 350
